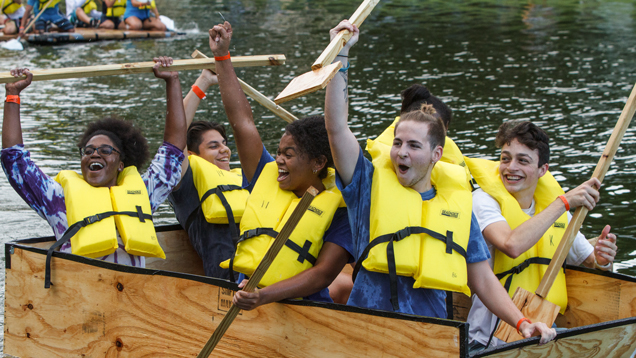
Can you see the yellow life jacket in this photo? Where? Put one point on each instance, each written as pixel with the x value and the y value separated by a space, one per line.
pixel 10 7
pixel 451 154
pixel 88 6
pixel 268 209
pixel 210 179
pixel 52 5
pixel 429 238
pixel 118 9
pixel 100 212
pixel 150 6
pixel 534 262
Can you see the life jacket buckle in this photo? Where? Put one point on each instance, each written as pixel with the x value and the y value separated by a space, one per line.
pixel 91 219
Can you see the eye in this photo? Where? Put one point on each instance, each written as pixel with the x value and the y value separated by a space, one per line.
pixel 505 159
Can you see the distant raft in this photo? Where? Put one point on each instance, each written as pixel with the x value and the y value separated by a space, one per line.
pixel 91 35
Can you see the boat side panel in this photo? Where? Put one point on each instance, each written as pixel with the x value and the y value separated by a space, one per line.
pixel 180 256
pixel 92 311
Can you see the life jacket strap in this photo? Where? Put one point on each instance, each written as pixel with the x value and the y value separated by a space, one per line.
pixel 73 229
pixel 248 234
pixel 303 252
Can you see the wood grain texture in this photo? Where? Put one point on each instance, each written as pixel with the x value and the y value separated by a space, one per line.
pixel 533 307
pixel 97 312
pixel 180 255
pixel 608 343
pixel 308 82
pixel 143 67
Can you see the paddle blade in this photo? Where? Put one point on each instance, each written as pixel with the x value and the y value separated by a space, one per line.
pixel 533 307
pixel 13 45
pixel 308 83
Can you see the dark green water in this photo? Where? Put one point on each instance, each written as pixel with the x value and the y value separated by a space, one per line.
pixel 566 65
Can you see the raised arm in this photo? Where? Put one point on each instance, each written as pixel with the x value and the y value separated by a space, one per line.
pixel 237 107
pixel 11 128
pixel 175 127
pixel 344 145
pixel 515 242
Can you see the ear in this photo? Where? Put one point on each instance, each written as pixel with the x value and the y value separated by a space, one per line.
pixel 437 153
pixel 319 163
pixel 543 169
pixel 121 166
pixel 191 153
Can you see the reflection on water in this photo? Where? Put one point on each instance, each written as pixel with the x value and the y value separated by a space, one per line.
pixel 566 65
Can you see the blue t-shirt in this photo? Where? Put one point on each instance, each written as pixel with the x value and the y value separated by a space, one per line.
pixel 339 232
pixel 372 289
pixel 136 12
pixel 51 11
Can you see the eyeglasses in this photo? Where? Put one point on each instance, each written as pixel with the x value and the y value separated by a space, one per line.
pixel 102 150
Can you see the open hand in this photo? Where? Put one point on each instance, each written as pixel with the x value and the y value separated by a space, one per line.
pixel 535 329
pixel 16 87
pixel 220 38
pixel 246 300
pixel 585 194
pixel 605 248
pixel 164 61
pixel 346 25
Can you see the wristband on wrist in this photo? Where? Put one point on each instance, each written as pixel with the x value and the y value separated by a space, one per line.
pixel 222 58
pixel 344 69
pixel 565 201
pixel 198 92
pixel 604 268
pixel 521 321
pixel 12 98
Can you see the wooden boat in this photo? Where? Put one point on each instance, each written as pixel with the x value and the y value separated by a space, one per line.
pixel 97 309
pixel 4 37
pixel 91 35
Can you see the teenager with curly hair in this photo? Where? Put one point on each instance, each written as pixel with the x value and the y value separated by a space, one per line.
pixel 320 245
pixel 107 148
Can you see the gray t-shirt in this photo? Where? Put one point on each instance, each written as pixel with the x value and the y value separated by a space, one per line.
pixel 213 242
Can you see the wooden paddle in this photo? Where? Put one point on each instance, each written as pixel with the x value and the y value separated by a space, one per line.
pixel 257 96
pixel 323 69
pixel 143 67
pixel 267 260
pixel 535 306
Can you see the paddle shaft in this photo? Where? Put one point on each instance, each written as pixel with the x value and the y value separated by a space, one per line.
pixel 338 42
pixel 256 277
pixel 38 16
pixel 257 96
pixel 579 215
pixel 143 67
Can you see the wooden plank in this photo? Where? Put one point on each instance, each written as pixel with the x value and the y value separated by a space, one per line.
pixel 308 82
pixel 180 255
pixel 533 307
pixel 461 306
pixel 143 67
pixel 7 37
pixel 92 311
pixel 612 342
pixel 89 35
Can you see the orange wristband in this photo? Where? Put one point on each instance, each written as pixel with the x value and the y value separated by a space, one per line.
pixel 12 98
pixel 521 321
pixel 565 201
pixel 198 92
pixel 222 58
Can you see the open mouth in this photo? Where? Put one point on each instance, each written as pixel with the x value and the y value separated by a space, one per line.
pixel 403 169
pixel 95 166
pixel 512 178
pixel 282 174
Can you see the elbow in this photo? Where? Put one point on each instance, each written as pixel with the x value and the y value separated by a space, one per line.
pixel 512 252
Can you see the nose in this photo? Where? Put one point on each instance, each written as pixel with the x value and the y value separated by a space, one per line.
pixel 402 152
pixel 279 159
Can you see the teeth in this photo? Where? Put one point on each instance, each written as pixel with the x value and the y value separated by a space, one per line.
pixel 95 166
pixel 513 177
pixel 281 171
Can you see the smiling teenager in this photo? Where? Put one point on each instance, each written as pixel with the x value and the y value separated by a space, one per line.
pixel 111 151
pixel 211 227
pixel 523 213
pixel 319 247
pixel 404 206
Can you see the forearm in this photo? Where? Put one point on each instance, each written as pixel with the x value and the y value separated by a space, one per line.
pixel 304 284
pixel 526 235
pixel 82 16
pixel 11 127
pixel 154 9
pixel 175 128
pixel 192 101
pixel 484 283
pixel 136 3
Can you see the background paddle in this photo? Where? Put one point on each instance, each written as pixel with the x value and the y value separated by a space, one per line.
pixel 269 257
pixel 535 306
pixel 257 96
pixel 323 69
pixel 16 44
pixel 143 67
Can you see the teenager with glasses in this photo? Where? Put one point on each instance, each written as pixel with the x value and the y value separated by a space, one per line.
pixel 110 149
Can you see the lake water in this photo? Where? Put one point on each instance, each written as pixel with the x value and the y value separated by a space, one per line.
pixel 566 65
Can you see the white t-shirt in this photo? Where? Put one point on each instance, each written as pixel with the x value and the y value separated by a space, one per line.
pixel 72 5
pixel 487 211
pixel 17 14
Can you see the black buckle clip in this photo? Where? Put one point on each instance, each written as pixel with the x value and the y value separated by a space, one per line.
pixel 399 235
pixel 91 219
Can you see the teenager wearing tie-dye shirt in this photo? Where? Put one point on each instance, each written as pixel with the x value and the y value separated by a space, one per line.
pixel 106 147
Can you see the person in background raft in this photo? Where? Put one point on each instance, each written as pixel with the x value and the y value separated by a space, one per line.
pixel 206 169
pixel 112 14
pixel 83 13
pixel 414 233
pixel 137 16
pixel 523 213
pixel 320 245
pixel 111 151
pixel 51 15
pixel 13 10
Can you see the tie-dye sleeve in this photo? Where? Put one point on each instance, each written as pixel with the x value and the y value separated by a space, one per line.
pixel 38 190
pixel 163 174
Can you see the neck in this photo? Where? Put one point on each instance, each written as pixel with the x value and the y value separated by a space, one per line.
pixel 317 184
pixel 525 198
pixel 424 184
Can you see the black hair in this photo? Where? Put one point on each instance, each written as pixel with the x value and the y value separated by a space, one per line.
pixel 125 137
pixel 310 135
pixel 528 134
pixel 416 95
pixel 196 130
pixel 426 114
